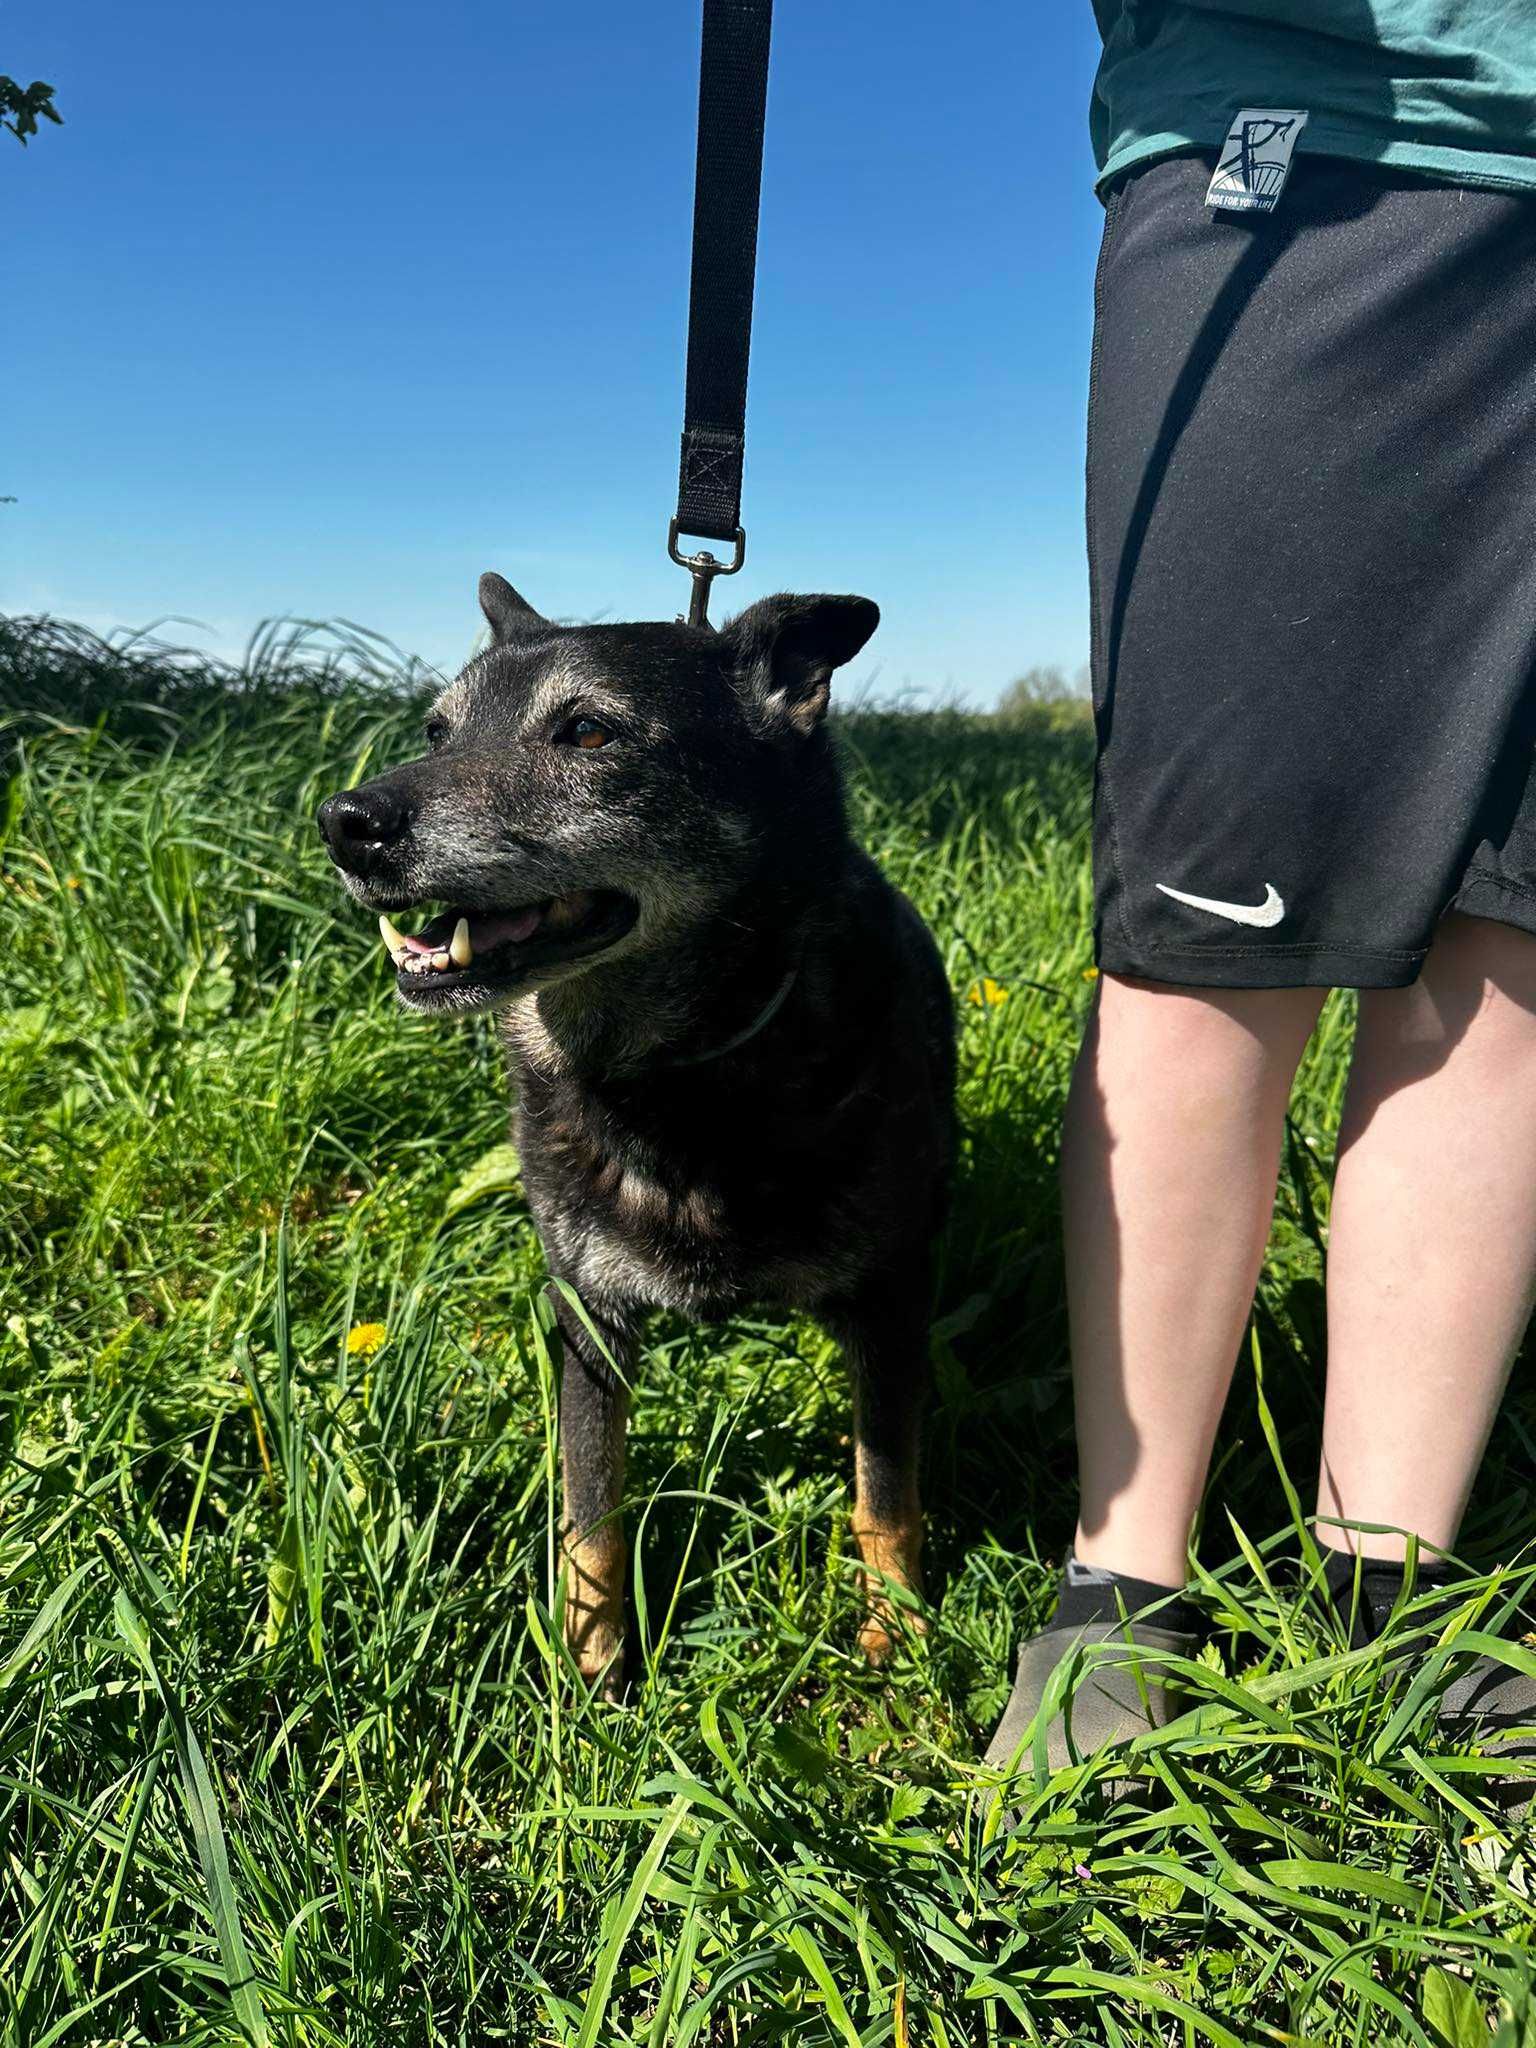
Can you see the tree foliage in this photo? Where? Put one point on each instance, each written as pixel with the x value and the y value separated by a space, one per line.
pixel 1045 695
pixel 23 106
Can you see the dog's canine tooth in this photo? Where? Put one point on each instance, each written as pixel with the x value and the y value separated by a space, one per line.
pixel 461 952
pixel 394 942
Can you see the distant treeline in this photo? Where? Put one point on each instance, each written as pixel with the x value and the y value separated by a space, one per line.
pixel 1047 696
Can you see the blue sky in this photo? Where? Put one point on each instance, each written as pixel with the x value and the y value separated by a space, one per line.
pixel 324 308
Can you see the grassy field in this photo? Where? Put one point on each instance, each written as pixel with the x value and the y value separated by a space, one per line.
pixel 287 1752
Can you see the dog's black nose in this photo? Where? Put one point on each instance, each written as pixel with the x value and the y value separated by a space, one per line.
pixel 359 824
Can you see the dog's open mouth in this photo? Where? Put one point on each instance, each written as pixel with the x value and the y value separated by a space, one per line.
pixel 463 957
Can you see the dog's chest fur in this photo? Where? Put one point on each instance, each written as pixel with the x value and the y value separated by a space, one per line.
pixel 782 1173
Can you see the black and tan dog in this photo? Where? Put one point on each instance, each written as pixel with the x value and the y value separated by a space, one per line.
pixel 731 1040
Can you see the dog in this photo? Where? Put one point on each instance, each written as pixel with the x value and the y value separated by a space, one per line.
pixel 731 1040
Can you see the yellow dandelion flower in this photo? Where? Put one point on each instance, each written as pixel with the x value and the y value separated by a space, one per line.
pixel 71 881
pixel 988 992
pixel 1090 974
pixel 365 1340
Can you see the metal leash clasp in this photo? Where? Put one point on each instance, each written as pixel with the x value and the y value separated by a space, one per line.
pixel 704 568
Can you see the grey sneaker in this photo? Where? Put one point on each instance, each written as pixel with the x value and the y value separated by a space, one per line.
pixel 1112 1699
pixel 1490 1696
pixel 1487 1703
pixel 1495 1707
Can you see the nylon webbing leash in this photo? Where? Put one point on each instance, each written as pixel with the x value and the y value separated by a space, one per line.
pixel 733 93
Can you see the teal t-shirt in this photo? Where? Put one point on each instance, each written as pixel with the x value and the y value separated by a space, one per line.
pixel 1446 87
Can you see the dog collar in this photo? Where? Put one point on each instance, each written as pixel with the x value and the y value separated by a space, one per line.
pixel 760 1022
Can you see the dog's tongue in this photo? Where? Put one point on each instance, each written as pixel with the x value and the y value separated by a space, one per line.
pixel 507 929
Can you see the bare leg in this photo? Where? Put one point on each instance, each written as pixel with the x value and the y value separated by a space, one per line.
pixel 594 1417
pixel 1432 1251
pixel 1170 1154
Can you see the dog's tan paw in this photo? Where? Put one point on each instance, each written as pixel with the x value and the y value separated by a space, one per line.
pixel 594 1608
pixel 890 1550
pixel 880 1629
pixel 876 1641
pixel 599 1657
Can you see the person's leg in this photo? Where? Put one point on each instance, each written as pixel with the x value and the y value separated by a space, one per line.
pixel 1432 1249
pixel 1170 1154
pixel 1169 1157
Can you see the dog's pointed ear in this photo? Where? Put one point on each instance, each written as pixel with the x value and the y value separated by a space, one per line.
pixel 509 616
pixel 785 649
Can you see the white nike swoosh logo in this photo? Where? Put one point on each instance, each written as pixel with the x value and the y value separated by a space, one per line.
pixel 1270 911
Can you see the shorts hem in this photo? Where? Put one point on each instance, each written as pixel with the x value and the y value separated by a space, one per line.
pixel 1481 895
pixel 1498 899
pixel 1266 966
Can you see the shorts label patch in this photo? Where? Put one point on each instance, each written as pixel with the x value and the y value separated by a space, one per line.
pixel 1255 159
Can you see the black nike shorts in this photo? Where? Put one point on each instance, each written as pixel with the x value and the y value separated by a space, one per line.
pixel 1312 547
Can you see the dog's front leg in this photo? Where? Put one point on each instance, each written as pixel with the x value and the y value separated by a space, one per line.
pixel 594 1415
pixel 885 1338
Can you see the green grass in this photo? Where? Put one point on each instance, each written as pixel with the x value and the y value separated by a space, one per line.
pixel 287 1751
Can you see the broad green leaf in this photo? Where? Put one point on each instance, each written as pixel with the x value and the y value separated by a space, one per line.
pixel 803 1759
pixel 1454 2010
pixel 28 1020
pixel 907 1802
pixel 493 1173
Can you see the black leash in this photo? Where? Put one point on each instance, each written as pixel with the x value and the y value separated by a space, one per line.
pixel 733 91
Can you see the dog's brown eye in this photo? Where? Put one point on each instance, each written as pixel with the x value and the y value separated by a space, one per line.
pixel 586 732
pixel 435 731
